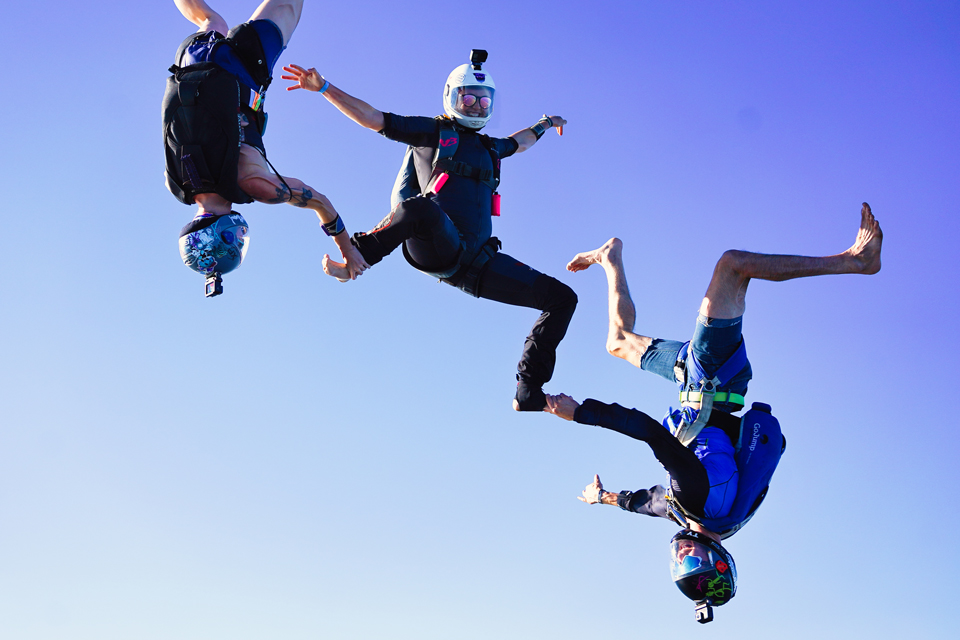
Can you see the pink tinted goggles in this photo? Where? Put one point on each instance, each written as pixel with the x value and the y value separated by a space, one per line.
pixel 468 100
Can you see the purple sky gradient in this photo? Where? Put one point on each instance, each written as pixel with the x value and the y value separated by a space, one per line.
pixel 300 458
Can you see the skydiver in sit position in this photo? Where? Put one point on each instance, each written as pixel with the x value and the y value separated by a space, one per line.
pixel 213 135
pixel 443 221
pixel 719 465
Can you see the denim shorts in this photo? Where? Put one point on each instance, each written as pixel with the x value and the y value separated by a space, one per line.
pixel 714 341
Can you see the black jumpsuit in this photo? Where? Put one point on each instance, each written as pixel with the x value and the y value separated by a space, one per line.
pixel 435 229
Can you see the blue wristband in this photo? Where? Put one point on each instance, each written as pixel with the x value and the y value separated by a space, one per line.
pixel 326 85
pixel 333 228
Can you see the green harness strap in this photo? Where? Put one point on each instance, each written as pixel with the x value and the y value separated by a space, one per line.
pixel 723 396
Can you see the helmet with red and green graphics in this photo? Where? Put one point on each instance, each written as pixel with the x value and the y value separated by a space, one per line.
pixel 702 569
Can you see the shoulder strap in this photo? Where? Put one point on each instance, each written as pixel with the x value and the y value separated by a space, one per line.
pixel 447 144
pixel 495 158
pixel 406 185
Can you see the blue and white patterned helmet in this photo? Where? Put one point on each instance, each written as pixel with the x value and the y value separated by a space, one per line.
pixel 214 244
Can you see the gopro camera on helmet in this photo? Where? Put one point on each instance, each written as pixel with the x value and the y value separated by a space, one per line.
pixel 477 58
pixel 704 612
pixel 213 286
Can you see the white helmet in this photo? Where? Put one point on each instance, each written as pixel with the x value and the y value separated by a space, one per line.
pixel 459 83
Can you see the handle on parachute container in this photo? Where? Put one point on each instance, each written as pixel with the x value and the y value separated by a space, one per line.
pixel 438 184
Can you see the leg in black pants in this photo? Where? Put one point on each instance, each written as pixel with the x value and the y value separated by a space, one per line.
pixel 433 242
pixel 431 238
pixel 509 281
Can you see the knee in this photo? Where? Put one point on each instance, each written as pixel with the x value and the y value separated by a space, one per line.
pixel 418 209
pixel 730 262
pixel 562 296
pixel 616 344
pixel 216 23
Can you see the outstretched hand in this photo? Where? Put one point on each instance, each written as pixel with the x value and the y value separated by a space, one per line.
pixel 558 123
pixel 308 79
pixel 562 405
pixel 591 495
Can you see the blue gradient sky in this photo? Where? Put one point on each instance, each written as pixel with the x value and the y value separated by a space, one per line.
pixel 300 458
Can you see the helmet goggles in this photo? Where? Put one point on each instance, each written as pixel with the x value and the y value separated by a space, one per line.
pixel 472 101
pixel 468 100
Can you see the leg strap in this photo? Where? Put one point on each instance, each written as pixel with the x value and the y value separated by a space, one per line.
pixel 467 278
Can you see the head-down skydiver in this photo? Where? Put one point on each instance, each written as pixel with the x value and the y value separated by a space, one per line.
pixel 213 126
pixel 719 465
pixel 445 228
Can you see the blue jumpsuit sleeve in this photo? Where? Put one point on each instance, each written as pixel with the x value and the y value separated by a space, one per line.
pixel 417 131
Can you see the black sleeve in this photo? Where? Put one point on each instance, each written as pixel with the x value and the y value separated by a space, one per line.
pixel 505 147
pixel 417 131
pixel 688 477
pixel 629 422
pixel 649 502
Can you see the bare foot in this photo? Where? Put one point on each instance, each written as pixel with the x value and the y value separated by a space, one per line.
pixel 336 269
pixel 516 406
pixel 607 253
pixel 865 251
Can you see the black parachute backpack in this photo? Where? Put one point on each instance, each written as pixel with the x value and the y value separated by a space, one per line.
pixel 201 110
pixel 201 132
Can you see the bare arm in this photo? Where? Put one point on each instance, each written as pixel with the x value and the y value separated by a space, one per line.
pixel 594 493
pixel 199 13
pixel 354 108
pixel 265 186
pixel 526 138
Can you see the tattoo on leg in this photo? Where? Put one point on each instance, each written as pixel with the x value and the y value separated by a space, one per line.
pixel 303 199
